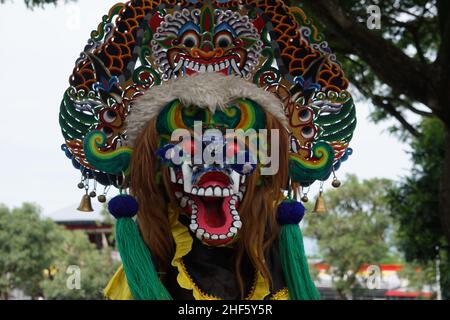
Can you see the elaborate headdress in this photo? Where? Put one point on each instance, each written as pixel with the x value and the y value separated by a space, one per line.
pixel 265 54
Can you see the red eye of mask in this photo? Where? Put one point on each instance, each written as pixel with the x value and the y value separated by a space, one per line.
pixel 231 149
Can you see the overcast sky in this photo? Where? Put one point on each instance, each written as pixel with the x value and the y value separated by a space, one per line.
pixel 38 50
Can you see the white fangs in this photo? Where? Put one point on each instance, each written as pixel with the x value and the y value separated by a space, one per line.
pixel 173 177
pixel 179 65
pixel 183 202
pixel 213 67
pixel 212 191
pixel 235 67
pixel 178 194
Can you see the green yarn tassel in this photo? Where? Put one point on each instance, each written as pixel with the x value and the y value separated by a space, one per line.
pixel 295 265
pixel 141 274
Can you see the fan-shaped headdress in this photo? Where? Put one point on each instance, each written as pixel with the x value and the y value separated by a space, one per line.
pixel 274 46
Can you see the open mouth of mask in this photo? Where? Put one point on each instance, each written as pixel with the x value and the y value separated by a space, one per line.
pixel 210 195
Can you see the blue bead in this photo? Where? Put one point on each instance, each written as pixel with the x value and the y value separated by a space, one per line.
pixel 290 212
pixel 123 206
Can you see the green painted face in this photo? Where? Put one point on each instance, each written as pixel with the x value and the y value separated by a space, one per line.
pixel 243 114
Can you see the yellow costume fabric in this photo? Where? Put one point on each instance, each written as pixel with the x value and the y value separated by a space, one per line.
pixel 117 288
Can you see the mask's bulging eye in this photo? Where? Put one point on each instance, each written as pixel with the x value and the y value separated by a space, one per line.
pixel 308 132
pixel 189 147
pixel 109 116
pixel 223 40
pixel 190 39
pixel 107 131
pixel 231 149
pixel 305 115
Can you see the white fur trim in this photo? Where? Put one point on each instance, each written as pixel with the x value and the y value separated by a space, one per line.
pixel 205 90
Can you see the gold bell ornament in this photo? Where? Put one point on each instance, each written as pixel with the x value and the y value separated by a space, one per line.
pixel 320 207
pixel 85 204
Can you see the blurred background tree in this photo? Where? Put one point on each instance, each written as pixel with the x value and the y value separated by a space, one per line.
pixel 27 247
pixel 419 275
pixel 414 203
pixel 355 231
pixel 96 268
pixel 36 252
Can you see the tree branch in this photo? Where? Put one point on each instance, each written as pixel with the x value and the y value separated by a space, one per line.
pixel 444 30
pixel 386 105
pixel 410 107
pixel 368 94
pixel 387 61
pixel 390 108
pixel 420 52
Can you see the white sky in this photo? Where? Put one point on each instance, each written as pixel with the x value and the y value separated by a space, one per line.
pixel 38 50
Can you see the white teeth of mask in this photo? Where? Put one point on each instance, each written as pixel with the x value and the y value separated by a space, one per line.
pixel 178 194
pixel 236 177
pixel 217 191
pixel 187 177
pixel 209 192
pixel 184 201
pixel 173 177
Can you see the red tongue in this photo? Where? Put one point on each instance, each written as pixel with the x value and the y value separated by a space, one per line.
pixel 214 216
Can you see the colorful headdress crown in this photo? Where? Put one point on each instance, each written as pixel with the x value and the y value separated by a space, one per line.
pixel 142 44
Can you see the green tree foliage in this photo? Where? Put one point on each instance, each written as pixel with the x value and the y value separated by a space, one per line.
pixel 27 247
pixel 96 268
pixel 355 230
pixel 414 202
pixel 35 254
pixel 419 275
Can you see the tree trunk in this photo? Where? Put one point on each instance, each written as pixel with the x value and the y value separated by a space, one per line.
pixel 444 193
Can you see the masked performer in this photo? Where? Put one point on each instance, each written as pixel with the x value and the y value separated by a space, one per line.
pixel 209 117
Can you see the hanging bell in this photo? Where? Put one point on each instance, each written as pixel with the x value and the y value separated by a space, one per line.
pixel 85 204
pixel 320 207
pixel 336 183
pixel 101 198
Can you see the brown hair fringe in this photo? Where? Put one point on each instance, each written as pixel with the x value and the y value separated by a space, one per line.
pixel 257 211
